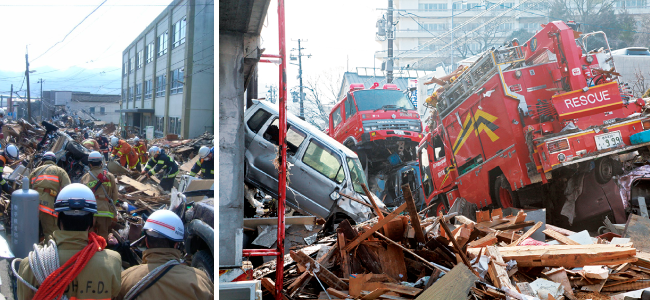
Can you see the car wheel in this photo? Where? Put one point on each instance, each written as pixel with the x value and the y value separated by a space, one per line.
pixel 604 170
pixel 203 260
pixel 504 197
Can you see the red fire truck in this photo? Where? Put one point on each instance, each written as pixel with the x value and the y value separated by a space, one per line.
pixel 376 123
pixel 523 117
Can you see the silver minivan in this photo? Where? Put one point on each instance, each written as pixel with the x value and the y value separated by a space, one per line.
pixel 319 166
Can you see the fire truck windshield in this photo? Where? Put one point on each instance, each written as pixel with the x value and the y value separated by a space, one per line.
pixel 382 99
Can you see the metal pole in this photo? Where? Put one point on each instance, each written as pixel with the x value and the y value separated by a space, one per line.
pixel 41 81
pixel 29 102
pixel 10 102
pixel 302 107
pixel 282 174
pixel 451 65
pixel 389 63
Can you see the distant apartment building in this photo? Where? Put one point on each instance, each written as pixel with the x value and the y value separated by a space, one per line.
pixel 168 72
pixel 423 28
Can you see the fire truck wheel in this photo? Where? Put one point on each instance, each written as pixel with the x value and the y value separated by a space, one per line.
pixel 503 195
pixel 604 170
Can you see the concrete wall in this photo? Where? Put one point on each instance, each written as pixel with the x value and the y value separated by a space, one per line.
pixel 231 147
pixel 202 103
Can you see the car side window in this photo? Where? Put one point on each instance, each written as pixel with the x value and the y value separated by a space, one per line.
pixel 336 117
pixel 324 161
pixel 350 109
pixel 295 137
pixel 258 119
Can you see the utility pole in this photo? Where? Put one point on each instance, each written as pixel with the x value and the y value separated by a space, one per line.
pixel 302 94
pixel 29 104
pixel 9 102
pixel 40 80
pixel 390 37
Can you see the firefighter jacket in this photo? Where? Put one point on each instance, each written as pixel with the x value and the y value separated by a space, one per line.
pixel 205 166
pixel 141 151
pixel 48 180
pixel 99 279
pixel 106 194
pixel 103 142
pixel 124 150
pixel 3 182
pixel 163 162
pixel 180 282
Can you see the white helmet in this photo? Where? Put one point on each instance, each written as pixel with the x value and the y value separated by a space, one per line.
pixel 153 151
pixel 99 134
pixel 166 224
pixel 136 140
pixel 49 155
pixel 76 199
pixel 204 151
pixel 114 141
pixel 12 152
pixel 2 112
pixel 95 156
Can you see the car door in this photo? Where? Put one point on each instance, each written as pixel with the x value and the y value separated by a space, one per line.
pixel 440 171
pixel 317 174
pixel 255 145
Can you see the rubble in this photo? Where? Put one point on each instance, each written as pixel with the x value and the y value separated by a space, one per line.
pixel 406 255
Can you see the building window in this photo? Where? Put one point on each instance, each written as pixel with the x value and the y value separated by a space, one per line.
pixel 434 27
pixel 126 68
pixel 179 33
pixel 162 44
pixel 124 95
pixel 147 89
pixel 160 124
pixel 138 91
pixel 150 52
pixel 432 6
pixel 102 110
pixel 530 26
pixel 138 59
pixel 505 27
pixel 92 110
pixel 177 82
pixel 466 6
pixel 161 81
pixel 174 125
pixel 131 93
pixel 131 65
pixel 630 3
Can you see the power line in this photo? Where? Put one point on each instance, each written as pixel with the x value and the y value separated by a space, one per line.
pixel 84 19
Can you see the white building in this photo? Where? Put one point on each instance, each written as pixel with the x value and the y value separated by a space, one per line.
pixel 168 72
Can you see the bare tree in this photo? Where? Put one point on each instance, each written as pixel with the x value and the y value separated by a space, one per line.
pixel 485 38
pixel 321 94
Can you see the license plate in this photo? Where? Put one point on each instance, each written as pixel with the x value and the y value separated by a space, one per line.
pixel 400 132
pixel 608 140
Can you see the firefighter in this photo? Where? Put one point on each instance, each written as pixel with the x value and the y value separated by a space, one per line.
pixel 90 144
pixel 205 164
pixel 141 151
pixel 94 273
pixel 162 161
pixel 106 194
pixel 48 180
pixel 2 122
pixel 125 152
pixel 103 144
pixel 161 274
pixel 9 155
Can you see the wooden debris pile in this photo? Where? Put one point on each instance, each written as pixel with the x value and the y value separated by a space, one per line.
pixel 405 255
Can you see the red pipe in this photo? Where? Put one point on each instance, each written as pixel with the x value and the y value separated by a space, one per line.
pixel 250 252
pixel 282 177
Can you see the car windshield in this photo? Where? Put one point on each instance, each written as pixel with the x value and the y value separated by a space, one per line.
pixel 357 175
pixel 378 99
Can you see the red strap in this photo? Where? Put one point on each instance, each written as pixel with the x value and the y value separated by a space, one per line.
pixel 48 210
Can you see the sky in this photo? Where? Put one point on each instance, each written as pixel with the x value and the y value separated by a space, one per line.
pixel 339 34
pixel 95 44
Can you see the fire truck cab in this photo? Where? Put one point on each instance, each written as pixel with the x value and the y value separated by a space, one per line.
pixel 376 123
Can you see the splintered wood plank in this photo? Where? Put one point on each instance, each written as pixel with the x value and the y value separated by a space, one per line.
pixel 426 262
pixel 374 228
pixel 499 274
pixel 269 285
pixel 496 214
pixel 628 287
pixel 559 237
pixel 454 285
pixel 413 212
pixel 375 294
pixel 509 226
pixel 521 217
pixel 503 236
pixel 527 234
pixel 483 216
pixel 568 256
pixel 187 167
pixel 559 275
pixel 363 254
pixel 146 188
pixel 345 263
pixel 402 289
pixel 323 274
pixel 560 230
pixel 392 261
pixel 367 282
pixel 459 250
pixel 378 212
pixel 336 293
